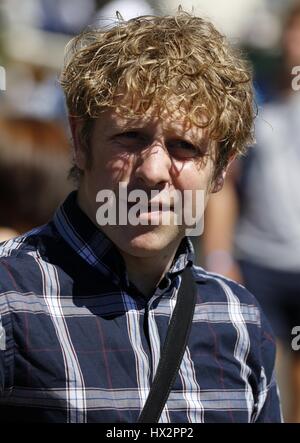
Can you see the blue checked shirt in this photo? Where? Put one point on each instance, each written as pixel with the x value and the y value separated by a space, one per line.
pixel 79 343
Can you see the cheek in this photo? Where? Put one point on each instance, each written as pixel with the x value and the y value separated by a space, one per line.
pixel 106 173
pixel 192 177
pixel 118 168
pixel 198 180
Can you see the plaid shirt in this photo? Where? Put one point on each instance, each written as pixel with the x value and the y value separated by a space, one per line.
pixel 79 343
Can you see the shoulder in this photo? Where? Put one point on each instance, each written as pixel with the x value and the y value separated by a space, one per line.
pixel 19 257
pixel 240 305
pixel 228 302
pixel 23 243
pixel 222 288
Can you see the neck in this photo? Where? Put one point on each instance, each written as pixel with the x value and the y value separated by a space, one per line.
pixel 144 272
pixel 147 272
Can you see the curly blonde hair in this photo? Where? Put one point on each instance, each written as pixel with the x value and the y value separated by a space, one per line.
pixel 149 60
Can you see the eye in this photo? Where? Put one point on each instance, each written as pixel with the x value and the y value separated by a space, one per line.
pixel 130 140
pixel 182 149
pixel 130 135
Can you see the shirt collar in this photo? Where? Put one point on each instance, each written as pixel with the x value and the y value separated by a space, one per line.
pixel 93 246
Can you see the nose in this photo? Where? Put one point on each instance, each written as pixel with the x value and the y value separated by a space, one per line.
pixel 153 165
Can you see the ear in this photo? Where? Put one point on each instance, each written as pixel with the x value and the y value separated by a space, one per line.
pixel 219 181
pixel 78 148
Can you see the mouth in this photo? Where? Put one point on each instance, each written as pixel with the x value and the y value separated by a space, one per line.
pixel 155 206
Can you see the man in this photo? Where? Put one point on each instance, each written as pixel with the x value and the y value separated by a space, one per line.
pixel 159 105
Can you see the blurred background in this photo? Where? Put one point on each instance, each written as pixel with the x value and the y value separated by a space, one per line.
pixel 256 239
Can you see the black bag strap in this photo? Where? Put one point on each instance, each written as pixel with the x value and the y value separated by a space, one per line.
pixel 173 349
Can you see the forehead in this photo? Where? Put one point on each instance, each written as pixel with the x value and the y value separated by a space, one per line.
pixel 170 119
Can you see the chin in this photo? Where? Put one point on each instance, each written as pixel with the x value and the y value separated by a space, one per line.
pixel 146 244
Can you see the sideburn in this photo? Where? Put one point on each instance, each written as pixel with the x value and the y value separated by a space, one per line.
pixel 85 138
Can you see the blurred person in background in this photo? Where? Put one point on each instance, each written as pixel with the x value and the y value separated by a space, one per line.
pixel 34 159
pixel 252 229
